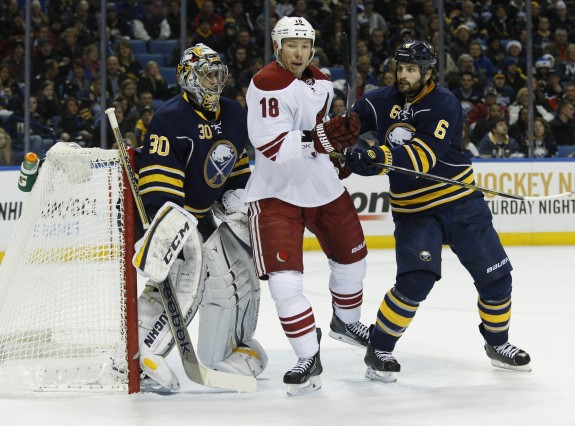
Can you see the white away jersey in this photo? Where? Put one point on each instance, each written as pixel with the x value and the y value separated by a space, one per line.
pixel 279 107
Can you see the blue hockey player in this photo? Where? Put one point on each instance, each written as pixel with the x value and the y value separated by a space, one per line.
pixel 419 127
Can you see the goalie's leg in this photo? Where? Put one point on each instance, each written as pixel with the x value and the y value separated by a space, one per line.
pixel 229 308
pixel 155 337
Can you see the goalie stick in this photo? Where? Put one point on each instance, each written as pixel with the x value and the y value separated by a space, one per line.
pixel 435 178
pixel 195 371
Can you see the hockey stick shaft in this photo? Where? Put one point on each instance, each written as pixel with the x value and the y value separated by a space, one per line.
pixel 193 369
pixel 435 178
pixel 344 53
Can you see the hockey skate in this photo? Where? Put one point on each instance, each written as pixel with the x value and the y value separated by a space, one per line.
pixel 304 377
pixel 507 356
pixel 355 334
pixel 381 365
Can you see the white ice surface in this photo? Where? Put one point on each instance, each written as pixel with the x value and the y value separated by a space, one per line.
pixel 446 378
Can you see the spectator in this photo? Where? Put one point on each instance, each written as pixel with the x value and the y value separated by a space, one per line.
pixel 91 61
pixel 466 93
pixel 5 148
pixel 478 130
pixel 481 109
pixel 514 50
pixel 243 38
pixel 519 130
pixel 16 61
pixel 37 17
pixel 542 33
pixel 70 47
pixel 128 99
pixel 127 61
pixel 500 24
pixel 173 17
pixel 204 34
pixel 568 91
pixel 238 14
pixel 505 93
pixel 514 78
pixel 142 124
pixel 77 81
pixel 467 17
pixel 48 101
pixel 145 100
pixel 337 107
pixel 374 19
pixel 114 77
pixel 566 68
pixel 559 44
pixel 562 126
pixel 71 127
pixel 481 63
pixel 226 40
pixel 117 23
pixel 44 51
pixel 124 124
pixel 521 102
pixel 461 41
pixel 284 8
pixel 560 18
pixel 467 146
pixel 246 75
pixel 216 20
pixel 378 49
pixel 50 71
pixel 151 80
pixel 152 25
pixel 495 51
pixel 497 143
pixel 7 81
pixel 90 100
pixel 544 145
pixel 364 67
pixel 464 64
pixel 425 16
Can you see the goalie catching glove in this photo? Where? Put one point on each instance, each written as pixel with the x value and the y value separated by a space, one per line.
pixel 335 134
pixel 369 162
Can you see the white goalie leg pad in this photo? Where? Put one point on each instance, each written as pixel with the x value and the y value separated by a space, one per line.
pixel 155 337
pixel 158 249
pixel 229 308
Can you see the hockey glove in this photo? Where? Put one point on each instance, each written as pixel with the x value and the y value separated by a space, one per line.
pixel 334 135
pixel 369 162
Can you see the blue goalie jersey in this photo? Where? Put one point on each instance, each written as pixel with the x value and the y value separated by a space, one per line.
pixel 190 160
pixel 424 135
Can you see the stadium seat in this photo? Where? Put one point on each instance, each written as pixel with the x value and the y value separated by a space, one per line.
pixel 138 46
pixel 165 47
pixel 337 73
pixel 563 151
pixel 144 58
pixel 169 73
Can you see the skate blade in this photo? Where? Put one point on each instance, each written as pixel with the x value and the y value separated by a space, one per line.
pixel 150 385
pixel 381 376
pixel 345 339
pixel 499 364
pixel 312 385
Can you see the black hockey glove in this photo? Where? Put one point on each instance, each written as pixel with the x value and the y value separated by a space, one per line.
pixel 370 161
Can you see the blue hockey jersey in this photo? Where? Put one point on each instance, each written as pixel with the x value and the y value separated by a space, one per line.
pixel 424 135
pixel 190 160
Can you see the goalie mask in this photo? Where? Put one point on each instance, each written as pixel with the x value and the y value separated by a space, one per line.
pixel 292 27
pixel 203 75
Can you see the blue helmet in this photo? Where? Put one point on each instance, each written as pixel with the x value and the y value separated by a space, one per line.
pixel 416 52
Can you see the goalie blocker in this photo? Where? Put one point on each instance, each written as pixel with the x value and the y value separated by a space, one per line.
pixel 216 277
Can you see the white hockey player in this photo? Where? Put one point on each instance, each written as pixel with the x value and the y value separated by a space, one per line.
pixel 194 159
pixel 294 185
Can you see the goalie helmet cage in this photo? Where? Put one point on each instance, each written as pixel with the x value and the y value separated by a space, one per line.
pixel 68 291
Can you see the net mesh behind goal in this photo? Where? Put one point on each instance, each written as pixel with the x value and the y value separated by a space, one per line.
pixel 63 299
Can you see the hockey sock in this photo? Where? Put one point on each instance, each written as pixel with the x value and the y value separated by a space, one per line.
pixel 495 316
pixel 394 316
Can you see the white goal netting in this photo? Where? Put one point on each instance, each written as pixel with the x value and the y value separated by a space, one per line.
pixel 62 310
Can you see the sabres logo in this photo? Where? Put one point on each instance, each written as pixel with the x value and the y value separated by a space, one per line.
pixel 399 135
pixel 425 256
pixel 219 163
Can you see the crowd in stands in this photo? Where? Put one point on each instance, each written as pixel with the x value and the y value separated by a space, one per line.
pixel 485 62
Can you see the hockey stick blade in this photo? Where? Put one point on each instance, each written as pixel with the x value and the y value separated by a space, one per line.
pixel 344 53
pixel 441 179
pixel 193 369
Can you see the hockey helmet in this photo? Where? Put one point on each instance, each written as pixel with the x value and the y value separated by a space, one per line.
pixel 417 52
pixel 293 27
pixel 203 75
